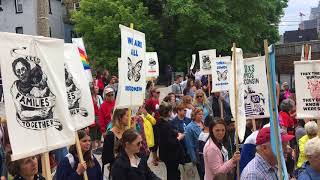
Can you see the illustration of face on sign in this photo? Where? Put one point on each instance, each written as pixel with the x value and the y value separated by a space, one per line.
pixel 74 95
pixel 206 64
pixel 134 70
pixel 314 87
pixel 32 97
pixel 152 63
pixel 254 102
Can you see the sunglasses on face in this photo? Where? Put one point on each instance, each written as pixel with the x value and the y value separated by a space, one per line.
pixel 158 92
pixel 109 95
pixel 199 96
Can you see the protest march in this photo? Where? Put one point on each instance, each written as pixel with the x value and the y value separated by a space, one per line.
pixel 225 116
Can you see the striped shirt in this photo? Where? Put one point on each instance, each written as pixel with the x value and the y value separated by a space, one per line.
pixel 259 169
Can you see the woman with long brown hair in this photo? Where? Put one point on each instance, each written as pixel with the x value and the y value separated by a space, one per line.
pixel 130 163
pixel 111 141
pixel 171 151
pixel 216 160
pixel 71 168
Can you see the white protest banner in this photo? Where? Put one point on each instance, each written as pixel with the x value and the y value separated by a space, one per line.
pixel 307 83
pixel 152 65
pixel 205 58
pixel 193 61
pixel 35 94
pixel 83 56
pixel 78 92
pixel 256 88
pixel 221 72
pixel 132 76
pixel 241 115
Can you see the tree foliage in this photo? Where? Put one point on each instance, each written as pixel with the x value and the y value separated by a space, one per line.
pixel 98 23
pixel 178 28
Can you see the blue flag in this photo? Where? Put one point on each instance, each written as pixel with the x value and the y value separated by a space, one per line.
pixel 275 129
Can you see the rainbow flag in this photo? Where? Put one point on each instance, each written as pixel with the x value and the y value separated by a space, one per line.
pixel 78 42
pixel 84 59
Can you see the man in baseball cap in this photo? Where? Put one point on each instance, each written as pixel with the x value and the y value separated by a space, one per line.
pixel 263 165
pixel 106 109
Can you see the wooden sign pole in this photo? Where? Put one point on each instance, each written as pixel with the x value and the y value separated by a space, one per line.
pixel 80 155
pixel 209 89
pixel 254 124
pixel 129 109
pixel 236 102
pixel 46 170
pixel 221 109
pixel 273 104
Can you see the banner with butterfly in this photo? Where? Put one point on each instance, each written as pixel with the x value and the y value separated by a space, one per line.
pixel 205 58
pixel 132 68
pixel 35 94
pixel 152 65
pixel 307 83
pixel 221 71
pixel 255 88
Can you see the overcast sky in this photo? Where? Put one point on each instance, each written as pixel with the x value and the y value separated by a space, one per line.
pixel 291 18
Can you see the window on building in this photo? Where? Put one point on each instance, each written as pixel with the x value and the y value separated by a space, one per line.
pixel 76 6
pixel 19 30
pixel 1 9
pixel 18 4
pixel 50 12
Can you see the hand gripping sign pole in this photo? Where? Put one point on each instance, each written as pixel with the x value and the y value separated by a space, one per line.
pixel 236 102
pixel 79 151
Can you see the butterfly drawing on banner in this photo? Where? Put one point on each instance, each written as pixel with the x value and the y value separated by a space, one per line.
pixel 134 70
pixel 222 76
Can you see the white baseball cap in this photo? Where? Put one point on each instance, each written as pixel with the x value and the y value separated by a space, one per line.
pixel 108 90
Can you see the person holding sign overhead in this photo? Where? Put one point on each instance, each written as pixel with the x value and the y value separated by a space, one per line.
pixel 70 167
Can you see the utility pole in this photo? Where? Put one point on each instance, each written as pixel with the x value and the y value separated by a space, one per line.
pixel 43 17
pixel 43 30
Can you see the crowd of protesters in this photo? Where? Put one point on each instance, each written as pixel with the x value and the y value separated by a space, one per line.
pixel 191 131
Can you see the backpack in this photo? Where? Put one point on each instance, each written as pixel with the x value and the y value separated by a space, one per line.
pixel 71 160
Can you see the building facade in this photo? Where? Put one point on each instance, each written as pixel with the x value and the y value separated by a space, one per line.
pixel 20 16
pixel 314 20
pixel 300 35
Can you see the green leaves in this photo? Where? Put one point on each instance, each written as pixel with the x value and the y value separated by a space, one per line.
pixel 98 23
pixel 177 28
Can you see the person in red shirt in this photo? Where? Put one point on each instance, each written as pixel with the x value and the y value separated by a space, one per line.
pixel 98 82
pixel 106 109
pixel 287 106
pixel 94 129
pixel 152 106
pixel 152 103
